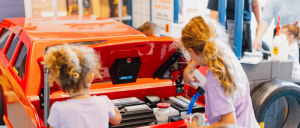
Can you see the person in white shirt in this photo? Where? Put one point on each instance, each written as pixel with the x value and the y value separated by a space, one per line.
pixel 288 10
pixel 293 37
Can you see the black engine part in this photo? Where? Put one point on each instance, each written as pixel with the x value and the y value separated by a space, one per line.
pixel 135 119
pixel 125 70
pixel 151 100
pixel 167 65
pixel 198 108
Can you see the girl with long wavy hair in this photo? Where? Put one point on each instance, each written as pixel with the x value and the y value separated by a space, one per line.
pixel 227 98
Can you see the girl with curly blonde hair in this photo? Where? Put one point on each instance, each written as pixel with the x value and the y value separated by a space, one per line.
pixel 292 33
pixel 150 29
pixel 227 98
pixel 74 68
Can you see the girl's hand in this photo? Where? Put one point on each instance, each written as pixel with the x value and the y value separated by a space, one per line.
pixel 187 76
pixel 193 125
pixel 117 118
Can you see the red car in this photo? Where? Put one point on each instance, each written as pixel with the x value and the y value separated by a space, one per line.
pixel 23 42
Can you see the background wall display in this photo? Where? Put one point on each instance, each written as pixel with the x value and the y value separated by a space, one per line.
pixel 141 12
pixel 187 9
pixel 192 8
pixel 162 14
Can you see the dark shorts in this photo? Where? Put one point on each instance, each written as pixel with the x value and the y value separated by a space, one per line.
pixel 246 37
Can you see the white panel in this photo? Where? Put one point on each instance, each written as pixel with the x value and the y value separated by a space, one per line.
pixel 163 15
pixel 80 8
pixel 137 108
pixel 184 99
pixel 178 102
pixel 54 6
pixel 130 100
pixel 28 8
pixel 140 12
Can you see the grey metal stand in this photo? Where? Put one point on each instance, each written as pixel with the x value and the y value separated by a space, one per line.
pixel 46 97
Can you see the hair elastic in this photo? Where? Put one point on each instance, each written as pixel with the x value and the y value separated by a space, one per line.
pixel 210 39
pixel 75 75
pixel 295 24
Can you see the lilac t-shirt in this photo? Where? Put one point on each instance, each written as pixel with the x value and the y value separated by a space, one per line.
pixel 217 103
pixel 93 112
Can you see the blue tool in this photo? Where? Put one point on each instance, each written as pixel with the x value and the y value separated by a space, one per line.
pixel 200 92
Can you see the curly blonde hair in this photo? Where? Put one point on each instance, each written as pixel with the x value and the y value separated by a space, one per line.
pixel 209 38
pixel 69 65
pixel 148 25
pixel 293 30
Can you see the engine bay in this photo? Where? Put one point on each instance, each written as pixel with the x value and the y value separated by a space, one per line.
pixel 138 101
pixel 136 112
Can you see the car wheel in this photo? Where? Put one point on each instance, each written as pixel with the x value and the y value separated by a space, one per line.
pixel 276 103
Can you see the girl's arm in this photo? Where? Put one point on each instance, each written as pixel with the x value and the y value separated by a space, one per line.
pixel 225 119
pixel 187 77
pixel 116 119
pixel 214 15
pixel 192 64
pixel 50 126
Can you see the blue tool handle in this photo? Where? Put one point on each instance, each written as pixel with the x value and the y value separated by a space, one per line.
pixel 193 100
pixel 200 92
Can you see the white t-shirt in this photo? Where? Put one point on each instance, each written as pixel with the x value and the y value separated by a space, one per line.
pixel 294 56
pixel 93 112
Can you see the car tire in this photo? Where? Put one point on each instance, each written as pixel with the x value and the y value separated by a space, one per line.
pixel 266 93
pixel 1 108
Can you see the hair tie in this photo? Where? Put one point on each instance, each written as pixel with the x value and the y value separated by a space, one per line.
pixel 295 24
pixel 210 39
pixel 75 75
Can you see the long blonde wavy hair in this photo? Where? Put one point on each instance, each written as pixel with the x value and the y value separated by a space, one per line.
pixel 209 38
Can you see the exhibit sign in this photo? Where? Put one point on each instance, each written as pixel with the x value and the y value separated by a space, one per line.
pixel 162 13
pixel 192 8
pixel 187 9
pixel 141 12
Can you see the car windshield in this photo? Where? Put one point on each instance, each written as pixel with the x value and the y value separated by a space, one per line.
pixel 21 66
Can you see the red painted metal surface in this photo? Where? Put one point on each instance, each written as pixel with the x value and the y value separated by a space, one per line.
pixel 7 122
pixel 74 27
pixel 18 111
pixel 177 124
pixel 20 96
